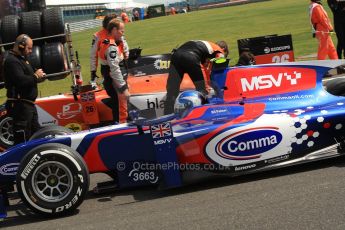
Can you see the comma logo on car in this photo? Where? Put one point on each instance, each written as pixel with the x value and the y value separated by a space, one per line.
pixel 268 81
pixel 242 145
pixel 9 169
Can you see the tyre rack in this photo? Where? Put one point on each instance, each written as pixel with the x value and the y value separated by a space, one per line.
pixel 73 64
pixel 69 48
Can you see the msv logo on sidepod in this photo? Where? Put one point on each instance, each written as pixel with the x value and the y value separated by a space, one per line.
pixel 242 145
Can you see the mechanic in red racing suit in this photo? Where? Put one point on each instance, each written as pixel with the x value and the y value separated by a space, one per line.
pixel 192 58
pixel 98 37
pixel 111 54
pixel 322 28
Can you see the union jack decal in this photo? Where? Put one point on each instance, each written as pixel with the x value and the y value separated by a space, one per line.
pixel 90 96
pixel 161 130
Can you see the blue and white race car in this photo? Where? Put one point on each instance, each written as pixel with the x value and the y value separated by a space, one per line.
pixel 263 117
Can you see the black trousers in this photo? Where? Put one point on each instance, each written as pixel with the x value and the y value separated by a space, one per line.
pixel 182 62
pixel 109 88
pixel 339 27
pixel 25 119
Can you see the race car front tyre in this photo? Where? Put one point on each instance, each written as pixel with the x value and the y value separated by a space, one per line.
pixel 52 180
pixel 6 132
pixel 50 131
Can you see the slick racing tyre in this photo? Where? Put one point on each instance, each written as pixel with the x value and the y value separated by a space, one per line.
pixel 52 179
pixel 31 24
pixel 0 34
pixel 35 58
pixel 6 131
pixel 50 131
pixel 9 29
pixel 53 23
pixel 54 60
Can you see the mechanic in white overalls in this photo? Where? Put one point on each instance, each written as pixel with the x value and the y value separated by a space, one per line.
pixel 98 37
pixel 111 54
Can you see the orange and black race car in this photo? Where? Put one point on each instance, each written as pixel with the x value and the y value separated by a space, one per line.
pixel 91 107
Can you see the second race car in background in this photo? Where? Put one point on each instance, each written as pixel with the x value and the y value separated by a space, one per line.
pixel 147 82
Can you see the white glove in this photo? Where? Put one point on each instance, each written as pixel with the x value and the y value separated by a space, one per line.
pixel 94 84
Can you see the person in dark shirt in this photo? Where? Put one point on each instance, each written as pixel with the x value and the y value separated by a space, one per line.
pixel 246 58
pixel 21 84
pixel 338 10
pixel 192 58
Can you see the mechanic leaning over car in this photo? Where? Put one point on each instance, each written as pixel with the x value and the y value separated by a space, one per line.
pixel 98 37
pixel 111 55
pixel 322 27
pixel 193 58
pixel 21 84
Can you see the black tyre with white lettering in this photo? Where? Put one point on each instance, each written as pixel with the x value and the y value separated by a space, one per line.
pixel 50 131
pixel 52 180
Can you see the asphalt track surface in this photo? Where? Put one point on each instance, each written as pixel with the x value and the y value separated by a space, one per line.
pixel 309 196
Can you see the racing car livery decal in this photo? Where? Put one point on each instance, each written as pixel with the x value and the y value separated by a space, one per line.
pixel 247 144
pixel 256 82
pixel 257 140
pixel 229 135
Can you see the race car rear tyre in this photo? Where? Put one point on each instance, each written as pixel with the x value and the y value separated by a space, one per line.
pixel 6 131
pixel 31 24
pixel 53 23
pixel 35 58
pixel 50 131
pixel 9 29
pixel 54 60
pixel 52 179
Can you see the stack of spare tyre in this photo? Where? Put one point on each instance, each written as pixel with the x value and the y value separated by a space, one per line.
pixel 49 50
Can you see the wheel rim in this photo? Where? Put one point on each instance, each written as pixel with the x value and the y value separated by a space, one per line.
pixel 52 181
pixel 6 131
